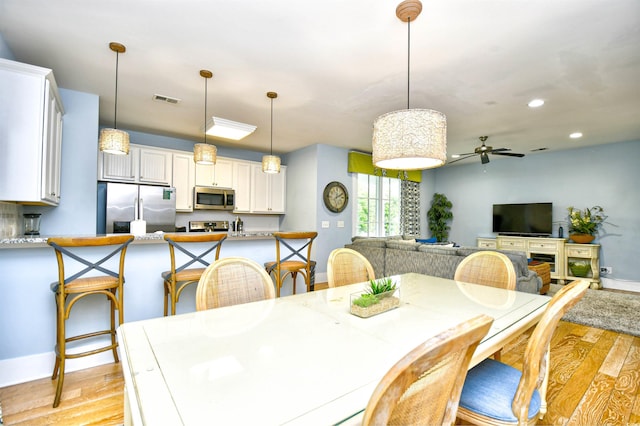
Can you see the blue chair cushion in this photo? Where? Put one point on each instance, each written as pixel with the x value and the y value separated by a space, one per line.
pixel 489 390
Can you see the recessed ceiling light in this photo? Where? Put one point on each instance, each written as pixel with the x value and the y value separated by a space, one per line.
pixel 575 135
pixel 535 103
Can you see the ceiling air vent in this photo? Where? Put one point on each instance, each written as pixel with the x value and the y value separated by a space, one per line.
pixel 166 99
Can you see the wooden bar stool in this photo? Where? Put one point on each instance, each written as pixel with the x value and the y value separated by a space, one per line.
pixel 70 289
pixel 296 242
pixel 179 277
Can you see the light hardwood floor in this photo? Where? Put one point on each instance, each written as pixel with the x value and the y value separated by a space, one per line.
pixel 595 380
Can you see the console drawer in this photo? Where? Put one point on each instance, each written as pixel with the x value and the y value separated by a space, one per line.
pixel 585 252
pixel 509 244
pixel 543 246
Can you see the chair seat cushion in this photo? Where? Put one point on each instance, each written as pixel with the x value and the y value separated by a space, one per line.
pixel 185 275
pixel 289 265
pixel 489 390
pixel 82 285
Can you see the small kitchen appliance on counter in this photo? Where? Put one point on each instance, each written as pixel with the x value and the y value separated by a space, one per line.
pixel 31 224
pixel 212 226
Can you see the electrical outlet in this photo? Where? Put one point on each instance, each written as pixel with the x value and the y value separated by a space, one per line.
pixel 606 270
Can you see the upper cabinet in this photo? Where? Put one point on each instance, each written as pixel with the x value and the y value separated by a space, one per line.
pixel 268 190
pixel 30 134
pixel 242 185
pixel 143 165
pixel 219 174
pixel 183 180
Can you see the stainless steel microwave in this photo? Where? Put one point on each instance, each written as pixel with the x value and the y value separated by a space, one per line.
pixel 212 198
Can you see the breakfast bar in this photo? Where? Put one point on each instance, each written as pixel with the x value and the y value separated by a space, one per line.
pixel 27 305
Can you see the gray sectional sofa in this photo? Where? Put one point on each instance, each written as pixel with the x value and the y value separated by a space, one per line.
pixel 396 255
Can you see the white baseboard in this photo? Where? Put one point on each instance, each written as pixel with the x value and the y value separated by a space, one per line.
pixel 614 284
pixel 38 366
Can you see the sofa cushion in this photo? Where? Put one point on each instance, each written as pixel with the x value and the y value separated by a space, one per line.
pixel 437 249
pixel 408 245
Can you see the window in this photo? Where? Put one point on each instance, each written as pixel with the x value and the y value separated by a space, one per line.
pixel 378 212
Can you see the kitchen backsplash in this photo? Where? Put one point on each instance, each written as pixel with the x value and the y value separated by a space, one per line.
pixel 10 220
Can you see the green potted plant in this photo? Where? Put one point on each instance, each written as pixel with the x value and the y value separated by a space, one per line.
pixel 584 224
pixel 438 216
pixel 379 296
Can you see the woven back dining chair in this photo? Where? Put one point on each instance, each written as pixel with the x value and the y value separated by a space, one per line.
pixel 346 266
pixel 233 281
pixel 423 388
pixel 199 249
pixel 498 394
pixel 489 268
pixel 97 277
pixel 298 261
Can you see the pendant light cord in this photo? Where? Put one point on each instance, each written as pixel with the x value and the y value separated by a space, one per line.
pixel 115 112
pixel 408 58
pixel 205 110
pixel 271 149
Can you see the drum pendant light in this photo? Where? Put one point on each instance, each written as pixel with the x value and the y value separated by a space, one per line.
pixel 271 163
pixel 204 153
pixel 410 139
pixel 114 141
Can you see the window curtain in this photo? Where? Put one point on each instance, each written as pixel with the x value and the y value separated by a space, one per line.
pixel 362 163
pixel 410 208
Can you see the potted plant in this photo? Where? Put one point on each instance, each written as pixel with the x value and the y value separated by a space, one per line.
pixel 379 296
pixel 584 224
pixel 438 216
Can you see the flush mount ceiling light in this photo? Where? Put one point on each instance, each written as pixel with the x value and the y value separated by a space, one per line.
pixel 204 153
pixel 410 139
pixel 575 135
pixel 535 103
pixel 114 141
pixel 227 129
pixel 271 163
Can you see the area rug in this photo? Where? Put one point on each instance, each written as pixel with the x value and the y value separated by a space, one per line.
pixel 608 310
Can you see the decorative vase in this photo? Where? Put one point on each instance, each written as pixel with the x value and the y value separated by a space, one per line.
pixel 582 238
pixel 580 268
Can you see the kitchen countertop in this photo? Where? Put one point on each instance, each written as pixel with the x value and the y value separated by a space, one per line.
pixel 33 241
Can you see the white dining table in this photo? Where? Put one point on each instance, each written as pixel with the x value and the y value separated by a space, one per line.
pixel 301 359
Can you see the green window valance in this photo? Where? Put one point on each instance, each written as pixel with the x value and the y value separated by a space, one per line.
pixel 362 163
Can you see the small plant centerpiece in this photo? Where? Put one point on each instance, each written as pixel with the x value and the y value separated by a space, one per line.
pixel 379 296
pixel 584 224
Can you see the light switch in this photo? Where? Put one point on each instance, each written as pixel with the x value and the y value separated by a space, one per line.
pixel 341 224
pixel 325 223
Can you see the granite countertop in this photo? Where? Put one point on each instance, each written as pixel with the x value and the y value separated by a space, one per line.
pixel 32 241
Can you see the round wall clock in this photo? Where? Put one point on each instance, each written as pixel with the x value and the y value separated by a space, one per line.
pixel 335 196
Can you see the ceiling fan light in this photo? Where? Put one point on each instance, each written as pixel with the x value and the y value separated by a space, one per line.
pixel 114 141
pixel 410 139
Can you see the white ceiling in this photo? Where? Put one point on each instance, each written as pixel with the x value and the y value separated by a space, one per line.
pixel 338 64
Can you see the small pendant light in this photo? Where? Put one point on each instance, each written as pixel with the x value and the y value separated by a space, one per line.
pixel 114 141
pixel 203 153
pixel 271 163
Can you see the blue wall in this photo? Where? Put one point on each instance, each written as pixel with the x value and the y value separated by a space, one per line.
pixel 605 175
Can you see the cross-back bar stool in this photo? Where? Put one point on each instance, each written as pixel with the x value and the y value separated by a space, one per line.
pixel 70 289
pixel 181 276
pixel 302 264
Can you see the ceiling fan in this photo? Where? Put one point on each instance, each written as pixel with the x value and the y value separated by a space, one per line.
pixel 484 151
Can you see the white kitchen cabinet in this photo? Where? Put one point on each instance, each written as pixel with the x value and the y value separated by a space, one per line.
pixel 184 179
pixel 219 174
pixel 242 186
pixel 31 134
pixel 268 190
pixel 142 165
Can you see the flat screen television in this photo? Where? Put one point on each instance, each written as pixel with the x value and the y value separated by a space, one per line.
pixel 527 219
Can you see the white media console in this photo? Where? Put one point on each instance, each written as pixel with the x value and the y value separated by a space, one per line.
pixel 557 252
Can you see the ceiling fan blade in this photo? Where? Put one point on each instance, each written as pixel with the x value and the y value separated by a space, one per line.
pixel 484 158
pixel 461 158
pixel 508 154
pixel 500 149
pixel 467 153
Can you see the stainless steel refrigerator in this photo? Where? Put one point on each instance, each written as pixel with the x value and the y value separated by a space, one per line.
pixel 121 203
